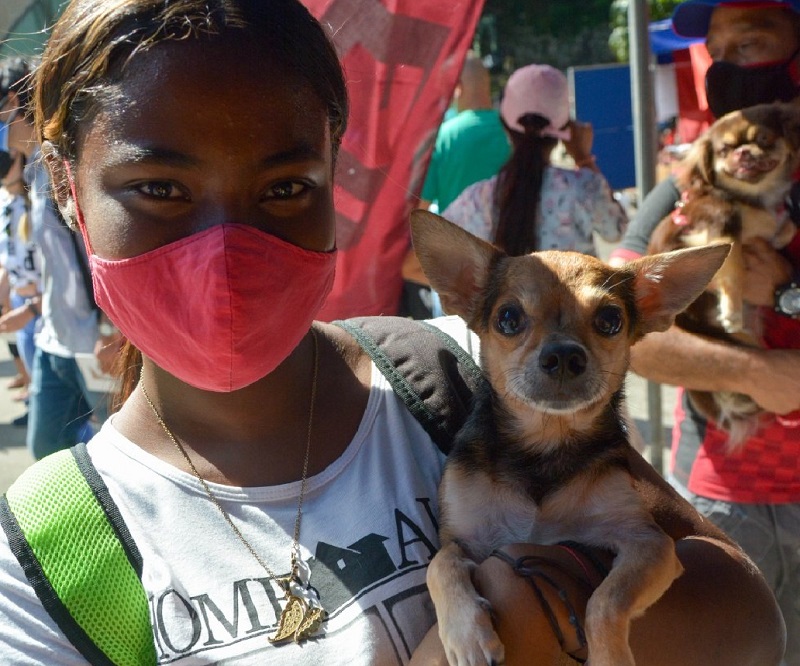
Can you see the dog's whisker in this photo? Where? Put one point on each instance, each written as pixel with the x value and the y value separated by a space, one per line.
pixel 626 277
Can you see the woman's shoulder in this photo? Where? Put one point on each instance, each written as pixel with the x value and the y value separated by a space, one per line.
pixel 476 194
pixel 361 338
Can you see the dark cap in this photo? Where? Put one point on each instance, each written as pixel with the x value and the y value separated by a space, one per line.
pixel 691 18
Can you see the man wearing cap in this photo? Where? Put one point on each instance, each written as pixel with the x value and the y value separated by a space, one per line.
pixel 753 494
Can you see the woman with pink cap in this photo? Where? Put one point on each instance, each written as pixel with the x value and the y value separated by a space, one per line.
pixel 531 204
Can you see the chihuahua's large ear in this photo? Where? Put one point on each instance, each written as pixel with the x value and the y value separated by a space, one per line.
pixel 666 284
pixel 790 117
pixel 59 179
pixel 456 262
pixel 699 162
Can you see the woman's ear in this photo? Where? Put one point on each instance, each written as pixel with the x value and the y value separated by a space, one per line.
pixel 60 183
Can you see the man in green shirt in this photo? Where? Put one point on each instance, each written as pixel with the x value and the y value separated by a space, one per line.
pixel 471 146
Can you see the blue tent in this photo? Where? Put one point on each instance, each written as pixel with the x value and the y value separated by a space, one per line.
pixel 664 40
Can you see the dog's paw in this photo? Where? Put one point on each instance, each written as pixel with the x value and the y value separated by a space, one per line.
pixel 609 649
pixel 469 637
pixel 623 659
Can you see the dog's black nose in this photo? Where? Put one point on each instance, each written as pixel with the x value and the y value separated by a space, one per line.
pixel 563 358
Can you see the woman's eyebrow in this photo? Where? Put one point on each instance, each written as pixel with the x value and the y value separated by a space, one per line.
pixel 303 152
pixel 131 153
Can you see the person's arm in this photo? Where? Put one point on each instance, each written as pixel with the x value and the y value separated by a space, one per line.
pixel 771 377
pixel 579 145
pixel 719 611
pixel 19 317
pixel 766 271
pixel 656 205
pixel 5 290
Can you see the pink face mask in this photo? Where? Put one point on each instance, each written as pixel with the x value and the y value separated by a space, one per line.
pixel 218 309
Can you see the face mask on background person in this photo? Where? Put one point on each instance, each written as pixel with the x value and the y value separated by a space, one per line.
pixel 732 87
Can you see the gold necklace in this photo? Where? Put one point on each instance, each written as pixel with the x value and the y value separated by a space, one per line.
pixel 303 612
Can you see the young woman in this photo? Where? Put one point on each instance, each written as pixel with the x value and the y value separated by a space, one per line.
pixel 532 204
pixel 277 496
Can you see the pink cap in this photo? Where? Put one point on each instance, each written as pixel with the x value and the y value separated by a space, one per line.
pixel 538 89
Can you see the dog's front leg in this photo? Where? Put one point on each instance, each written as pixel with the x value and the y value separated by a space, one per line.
pixel 465 625
pixel 729 282
pixel 644 568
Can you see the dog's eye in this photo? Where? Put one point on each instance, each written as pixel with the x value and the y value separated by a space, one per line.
pixel 510 319
pixel 608 320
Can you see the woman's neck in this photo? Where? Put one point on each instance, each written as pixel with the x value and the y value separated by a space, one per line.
pixel 257 435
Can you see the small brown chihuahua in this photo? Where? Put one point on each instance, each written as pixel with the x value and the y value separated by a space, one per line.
pixel 734 183
pixel 543 457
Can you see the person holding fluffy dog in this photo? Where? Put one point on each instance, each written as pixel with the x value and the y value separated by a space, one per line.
pixel 753 493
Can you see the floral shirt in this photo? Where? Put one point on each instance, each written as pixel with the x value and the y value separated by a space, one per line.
pixel 573 204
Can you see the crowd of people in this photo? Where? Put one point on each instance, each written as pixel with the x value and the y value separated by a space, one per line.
pixel 50 307
pixel 259 463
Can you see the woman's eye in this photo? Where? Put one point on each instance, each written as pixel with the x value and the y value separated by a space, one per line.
pixel 510 320
pixel 608 320
pixel 160 190
pixel 286 190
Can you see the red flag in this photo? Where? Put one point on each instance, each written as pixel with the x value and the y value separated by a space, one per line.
pixel 402 59
pixel 690 71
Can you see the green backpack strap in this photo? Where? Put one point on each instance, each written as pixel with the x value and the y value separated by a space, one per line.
pixel 68 536
pixel 429 370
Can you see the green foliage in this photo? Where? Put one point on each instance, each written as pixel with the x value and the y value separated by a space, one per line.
pixel 618 41
pixel 562 33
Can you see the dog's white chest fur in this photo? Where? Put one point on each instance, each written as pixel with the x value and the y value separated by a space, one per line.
pixel 485 515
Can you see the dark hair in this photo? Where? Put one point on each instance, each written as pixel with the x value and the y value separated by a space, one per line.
pixel 94 40
pixel 519 186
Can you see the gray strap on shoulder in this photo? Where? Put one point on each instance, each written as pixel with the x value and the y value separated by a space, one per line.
pixel 430 372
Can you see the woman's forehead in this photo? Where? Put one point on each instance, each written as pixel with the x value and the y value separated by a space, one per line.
pixel 210 91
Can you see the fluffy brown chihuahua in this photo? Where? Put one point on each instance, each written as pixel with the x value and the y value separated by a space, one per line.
pixel 543 456
pixel 734 182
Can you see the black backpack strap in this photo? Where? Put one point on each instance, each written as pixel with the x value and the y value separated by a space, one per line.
pixel 430 372
pixel 70 540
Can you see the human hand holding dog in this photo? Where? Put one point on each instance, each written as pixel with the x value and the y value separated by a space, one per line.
pixel 772 379
pixel 766 270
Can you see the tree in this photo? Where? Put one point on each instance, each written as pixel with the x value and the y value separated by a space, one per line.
pixel 618 41
pixel 561 33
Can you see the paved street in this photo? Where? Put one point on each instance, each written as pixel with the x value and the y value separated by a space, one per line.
pixel 14 456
